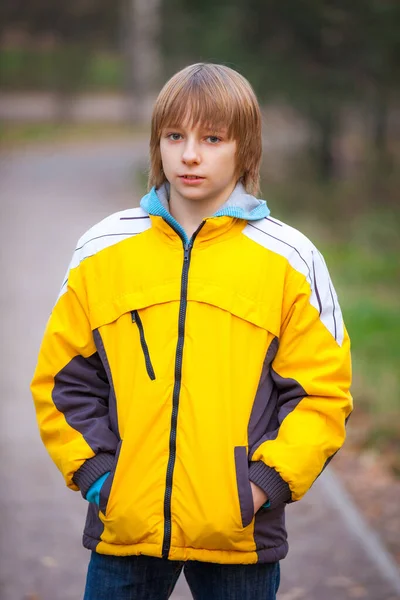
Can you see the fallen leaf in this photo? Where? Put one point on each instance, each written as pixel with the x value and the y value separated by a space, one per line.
pixel 49 561
pixel 357 591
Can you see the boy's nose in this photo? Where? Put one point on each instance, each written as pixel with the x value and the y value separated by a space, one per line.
pixel 190 154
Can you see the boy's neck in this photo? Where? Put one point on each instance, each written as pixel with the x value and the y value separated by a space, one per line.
pixel 190 213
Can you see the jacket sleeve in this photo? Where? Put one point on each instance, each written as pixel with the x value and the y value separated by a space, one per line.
pixel 71 391
pixel 311 372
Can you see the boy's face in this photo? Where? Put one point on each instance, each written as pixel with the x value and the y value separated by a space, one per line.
pixel 199 163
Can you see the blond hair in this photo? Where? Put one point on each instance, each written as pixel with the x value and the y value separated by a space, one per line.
pixel 213 96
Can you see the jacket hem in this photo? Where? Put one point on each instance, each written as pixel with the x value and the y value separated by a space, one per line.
pixel 264 555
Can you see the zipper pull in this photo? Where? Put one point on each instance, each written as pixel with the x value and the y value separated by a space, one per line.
pixel 133 313
pixel 186 253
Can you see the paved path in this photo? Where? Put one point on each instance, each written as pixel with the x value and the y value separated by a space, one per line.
pixel 48 198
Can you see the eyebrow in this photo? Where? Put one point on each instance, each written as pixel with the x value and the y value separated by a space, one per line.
pixel 220 130
pixel 202 128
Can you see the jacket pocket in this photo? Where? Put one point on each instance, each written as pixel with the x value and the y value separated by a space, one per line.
pixel 106 487
pixel 149 367
pixel 243 485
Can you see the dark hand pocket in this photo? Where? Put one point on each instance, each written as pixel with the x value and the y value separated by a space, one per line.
pixel 243 485
pixel 107 485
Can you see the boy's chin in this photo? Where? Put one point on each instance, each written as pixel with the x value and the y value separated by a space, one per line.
pixel 192 192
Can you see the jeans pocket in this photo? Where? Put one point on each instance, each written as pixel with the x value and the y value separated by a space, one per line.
pixel 243 485
pixel 107 485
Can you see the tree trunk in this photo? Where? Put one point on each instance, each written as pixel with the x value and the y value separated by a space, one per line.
pixel 325 122
pixel 380 117
pixel 141 24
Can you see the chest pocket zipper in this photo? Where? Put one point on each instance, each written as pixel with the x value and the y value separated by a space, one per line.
pixel 149 367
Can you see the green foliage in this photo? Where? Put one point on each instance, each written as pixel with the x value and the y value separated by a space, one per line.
pixel 17 135
pixel 313 53
pixel 67 68
pixel 92 22
pixel 315 56
pixel 105 72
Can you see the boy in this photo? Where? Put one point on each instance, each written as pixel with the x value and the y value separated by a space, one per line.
pixel 194 375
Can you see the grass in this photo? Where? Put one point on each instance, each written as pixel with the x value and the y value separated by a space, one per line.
pixel 17 135
pixel 62 67
pixel 362 251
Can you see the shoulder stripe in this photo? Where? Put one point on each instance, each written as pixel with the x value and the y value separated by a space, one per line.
pixel 274 222
pixel 287 244
pixel 103 236
pixel 133 218
pixel 336 311
pixel 324 292
pixel 316 287
pixel 307 260
pixel 108 234
pixel 333 311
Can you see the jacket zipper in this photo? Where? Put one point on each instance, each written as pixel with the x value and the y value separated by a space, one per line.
pixel 149 367
pixel 177 388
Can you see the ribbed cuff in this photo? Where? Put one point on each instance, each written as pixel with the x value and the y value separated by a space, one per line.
pixel 271 482
pixel 92 469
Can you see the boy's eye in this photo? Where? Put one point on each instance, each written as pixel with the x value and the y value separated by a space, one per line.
pixel 174 136
pixel 213 139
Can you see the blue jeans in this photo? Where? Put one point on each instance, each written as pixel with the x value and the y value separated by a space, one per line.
pixel 149 578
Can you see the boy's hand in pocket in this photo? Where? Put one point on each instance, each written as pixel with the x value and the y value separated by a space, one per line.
pixel 259 496
pixel 93 493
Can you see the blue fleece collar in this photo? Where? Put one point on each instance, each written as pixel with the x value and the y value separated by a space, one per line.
pixel 239 205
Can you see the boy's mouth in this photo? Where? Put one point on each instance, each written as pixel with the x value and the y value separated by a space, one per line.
pixel 191 179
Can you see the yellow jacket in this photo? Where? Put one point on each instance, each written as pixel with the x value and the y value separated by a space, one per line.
pixel 187 368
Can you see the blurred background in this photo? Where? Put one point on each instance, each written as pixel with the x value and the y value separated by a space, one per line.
pixel 85 73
